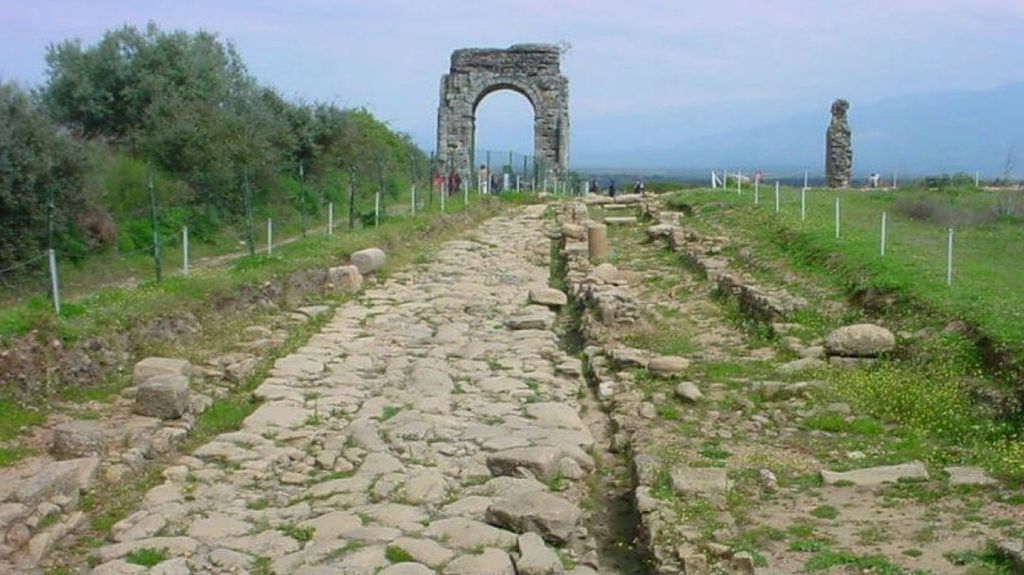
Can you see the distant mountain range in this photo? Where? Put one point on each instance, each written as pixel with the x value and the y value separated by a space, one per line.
pixel 912 135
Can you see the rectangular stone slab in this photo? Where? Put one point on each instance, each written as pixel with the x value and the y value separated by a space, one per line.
pixel 870 476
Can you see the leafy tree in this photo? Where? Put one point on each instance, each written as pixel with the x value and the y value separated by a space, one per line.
pixel 36 163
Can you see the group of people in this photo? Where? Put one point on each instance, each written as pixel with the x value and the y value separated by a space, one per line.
pixel 450 184
pixel 595 188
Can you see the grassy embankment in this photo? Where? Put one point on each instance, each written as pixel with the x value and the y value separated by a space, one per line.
pixel 933 384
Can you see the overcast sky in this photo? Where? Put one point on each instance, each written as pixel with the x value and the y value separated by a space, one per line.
pixel 640 63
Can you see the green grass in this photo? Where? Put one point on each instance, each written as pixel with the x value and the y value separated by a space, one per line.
pixel 397 555
pixel 300 533
pixel 147 557
pixel 987 274
pixel 825 512
pixel 15 415
pixel 107 309
pixel 827 559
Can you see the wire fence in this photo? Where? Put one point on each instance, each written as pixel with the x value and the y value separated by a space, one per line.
pixel 961 249
pixel 166 247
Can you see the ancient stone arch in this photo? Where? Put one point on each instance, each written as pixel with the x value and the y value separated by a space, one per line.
pixel 532 70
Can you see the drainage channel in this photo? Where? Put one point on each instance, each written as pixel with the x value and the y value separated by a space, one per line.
pixel 613 518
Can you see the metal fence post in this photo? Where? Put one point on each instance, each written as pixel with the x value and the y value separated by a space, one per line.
pixel 156 230
pixel 885 217
pixel 54 284
pixel 949 259
pixel 184 249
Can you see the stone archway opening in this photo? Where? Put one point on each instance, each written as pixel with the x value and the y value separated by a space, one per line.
pixel 533 70
pixel 503 139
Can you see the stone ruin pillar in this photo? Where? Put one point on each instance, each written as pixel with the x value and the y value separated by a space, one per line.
pixel 838 147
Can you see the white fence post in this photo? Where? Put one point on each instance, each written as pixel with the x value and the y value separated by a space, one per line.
pixel 465 196
pixel 837 217
pixel 376 209
pixel 413 201
pixel 714 180
pixel 270 236
pixel 805 179
pixel 776 196
pixel 884 221
pixel 54 284
pixel 330 218
pixel 184 249
pixel 894 180
pixel 517 184
pixel 977 179
pixel 444 194
pixel 949 259
pixel 803 204
pixel 739 182
pixel 757 191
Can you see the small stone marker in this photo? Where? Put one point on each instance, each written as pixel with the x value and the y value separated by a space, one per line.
pixel 871 476
pixel 597 243
pixel 369 260
pixel 151 366
pixel 163 396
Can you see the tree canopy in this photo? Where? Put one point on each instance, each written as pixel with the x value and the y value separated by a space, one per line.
pixel 185 105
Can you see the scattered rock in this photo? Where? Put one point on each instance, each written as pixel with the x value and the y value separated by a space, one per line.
pixel 668 365
pixel 607 273
pixel 1014 551
pixel 743 562
pixel 769 483
pixel 369 260
pixel 548 296
pixel 163 396
pixel 700 480
pixel 801 365
pixel 78 439
pixel 860 340
pixel 346 279
pixel 688 391
pixel 153 366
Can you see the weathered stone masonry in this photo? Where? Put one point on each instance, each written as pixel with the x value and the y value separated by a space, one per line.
pixel 532 70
